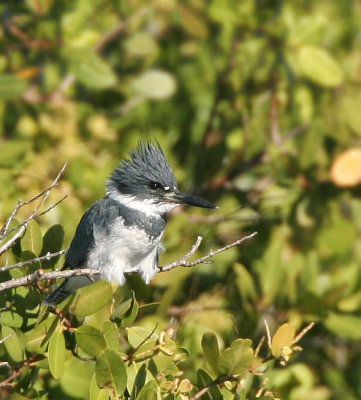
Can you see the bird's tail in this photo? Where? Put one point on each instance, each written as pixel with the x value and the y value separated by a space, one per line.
pixel 59 294
pixel 67 288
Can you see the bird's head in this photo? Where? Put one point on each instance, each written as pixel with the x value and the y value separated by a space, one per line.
pixel 146 181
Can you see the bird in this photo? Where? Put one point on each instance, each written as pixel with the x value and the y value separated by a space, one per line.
pixel 122 232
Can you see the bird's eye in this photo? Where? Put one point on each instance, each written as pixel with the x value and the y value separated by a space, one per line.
pixel 155 185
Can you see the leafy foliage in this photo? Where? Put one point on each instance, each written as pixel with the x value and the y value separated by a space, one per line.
pixel 256 105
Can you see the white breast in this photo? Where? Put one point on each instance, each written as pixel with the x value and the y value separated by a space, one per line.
pixel 124 249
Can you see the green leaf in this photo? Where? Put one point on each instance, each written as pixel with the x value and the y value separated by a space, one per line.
pixel 344 325
pixel 211 350
pixel 237 358
pixel 92 70
pixel 12 344
pixel 245 282
pixel 141 44
pixel 56 354
pixel 98 394
pixel 149 307
pixel 33 239
pixel 111 335
pixel 11 87
pixel 282 338
pixel 52 242
pixel 319 66
pixel 138 335
pixel 156 85
pixel 90 299
pixel 137 377
pixel 127 311
pixel 150 391
pixel 11 318
pixel 90 340
pixel 38 337
pixel 204 379
pixel 110 370
pixel 76 379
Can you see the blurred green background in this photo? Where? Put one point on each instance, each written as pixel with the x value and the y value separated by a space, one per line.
pixel 257 105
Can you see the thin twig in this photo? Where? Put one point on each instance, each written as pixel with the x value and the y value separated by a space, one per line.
pixel 22 264
pixel 21 228
pixel 229 378
pixel 182 262
pixel 268 334
pixel 41 275
pixel 4 229
pixel 303 332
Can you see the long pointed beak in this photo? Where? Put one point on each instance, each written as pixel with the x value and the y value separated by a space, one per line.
pixel 185 198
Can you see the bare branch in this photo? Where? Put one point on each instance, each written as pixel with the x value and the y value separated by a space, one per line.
pixel 303 332
pixel 46 257
pixel 41 275
pixel 21 228
pixel 182 262
pixel 4 229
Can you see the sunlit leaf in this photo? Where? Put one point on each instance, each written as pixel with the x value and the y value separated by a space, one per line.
pixel 204 380
pixel 150 391
pixel 347 326
pixel 110 370
pixel 138 335
pixel 127 310
pixel 111 335
pixel 38 337
pixel 155 84
pixel 12 343
pixel 90 340
pixel 56 354
pixel 95 393
pixel 237 358
pixel 282 338
pixel 11 318
pixel 92 70
pixel 33 239
pixel 91 299
pixel 211 350
pixel 319 66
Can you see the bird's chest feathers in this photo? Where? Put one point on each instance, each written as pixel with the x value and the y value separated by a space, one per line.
pixel 130 243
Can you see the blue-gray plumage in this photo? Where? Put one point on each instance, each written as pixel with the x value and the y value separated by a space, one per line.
pixel 122 232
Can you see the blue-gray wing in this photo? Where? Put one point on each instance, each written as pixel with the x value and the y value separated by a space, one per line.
pixel 98 214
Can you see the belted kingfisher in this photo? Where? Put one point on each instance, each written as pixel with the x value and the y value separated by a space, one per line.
pixel 122 232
